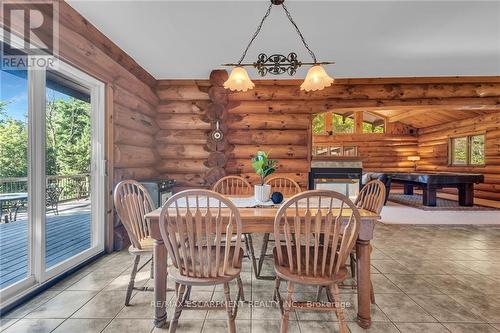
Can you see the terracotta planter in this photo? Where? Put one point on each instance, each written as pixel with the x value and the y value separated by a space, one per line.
pixel 262 192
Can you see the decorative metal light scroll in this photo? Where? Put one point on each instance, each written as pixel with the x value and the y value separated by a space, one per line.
pixel 277 64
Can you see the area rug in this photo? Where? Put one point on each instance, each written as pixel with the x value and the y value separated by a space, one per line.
pixel 415 200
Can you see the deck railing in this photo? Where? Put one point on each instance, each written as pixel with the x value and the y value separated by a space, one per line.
pixel 73 187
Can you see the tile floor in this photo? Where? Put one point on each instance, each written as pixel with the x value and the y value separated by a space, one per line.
pixel 426 279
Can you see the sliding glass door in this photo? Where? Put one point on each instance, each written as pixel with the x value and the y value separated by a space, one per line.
pixel 14 198
pixel 52 175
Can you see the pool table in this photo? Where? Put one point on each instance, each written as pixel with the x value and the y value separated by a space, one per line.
pixel 431 182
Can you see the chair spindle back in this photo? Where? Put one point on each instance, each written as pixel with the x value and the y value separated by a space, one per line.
pixel 193 224
pixel 232 185
pixel 285 185
pixel 132 201
pixel 371 197
pixel 303 226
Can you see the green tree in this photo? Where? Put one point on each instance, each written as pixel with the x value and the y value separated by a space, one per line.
pixel 342 124
pixel 14 145
pixel 68 136
pixel 318 123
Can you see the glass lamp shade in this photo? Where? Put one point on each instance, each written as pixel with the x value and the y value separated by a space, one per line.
pixel 316 79
pixel 238 80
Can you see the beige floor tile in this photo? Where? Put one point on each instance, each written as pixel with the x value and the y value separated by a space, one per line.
pixel 486 306
pixel 129 326
pixel 377 327
pixel 448 284
pixel 210 326
pixel 260 313
pixel 421 327
pixel 445 309
pixel 6 322
pixel 319 326
pixel 412 284
pixel 401 308
pixel 382 285
pixel 121 282
pixel 390 266
pixel 244 313
pixel 467 328
pixel 82 326
pixel 141 307
pixel 497 326
pixel 351 308
pixel 33 303
pixel 63 305
pixel 184 326
pixel 271 326
pixel 95 281
pixel 33 326
pixel 106 304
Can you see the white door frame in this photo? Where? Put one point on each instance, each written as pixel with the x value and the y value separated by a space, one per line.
pixel 37 273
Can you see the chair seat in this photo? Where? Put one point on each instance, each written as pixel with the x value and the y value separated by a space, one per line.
pixel 284 272
pixel 230 274
pixel 146 247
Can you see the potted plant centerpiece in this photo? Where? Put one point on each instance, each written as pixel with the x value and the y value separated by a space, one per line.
pixel 263 167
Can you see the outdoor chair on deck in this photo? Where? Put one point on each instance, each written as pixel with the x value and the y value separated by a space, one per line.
pixel 132 201
pixel 193 225
pixel 304 259
pixel 238 186
pixel 288 187
pixel 52 196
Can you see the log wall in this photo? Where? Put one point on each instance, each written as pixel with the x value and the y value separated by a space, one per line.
pixel 183 132
pixel 433 149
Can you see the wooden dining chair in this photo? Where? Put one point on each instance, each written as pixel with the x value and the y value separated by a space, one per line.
pixel 193 224
pixel 371 198
pixel 288 187
pixel 303 259
pixel 233 185
pixel 132 201
pixel 238 186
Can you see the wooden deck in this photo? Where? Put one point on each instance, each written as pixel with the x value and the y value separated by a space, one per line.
pixel 67 235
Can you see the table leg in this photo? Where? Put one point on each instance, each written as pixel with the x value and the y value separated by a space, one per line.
pixel 408 189
pixel 429 197
pixel 160 277
pixel 466 194
pixel 364 282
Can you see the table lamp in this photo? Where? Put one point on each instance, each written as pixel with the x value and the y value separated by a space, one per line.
pixel 414 159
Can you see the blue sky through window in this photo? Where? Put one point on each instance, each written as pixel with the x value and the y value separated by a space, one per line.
pixel 14 89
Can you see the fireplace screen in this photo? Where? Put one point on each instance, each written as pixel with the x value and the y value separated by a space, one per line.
pixel 344 180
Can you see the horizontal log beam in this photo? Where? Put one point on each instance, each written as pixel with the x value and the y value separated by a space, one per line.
pixel 390 92
pixel 271 121
pixel 279 137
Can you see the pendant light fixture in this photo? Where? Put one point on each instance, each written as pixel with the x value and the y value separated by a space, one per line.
pixel 277 64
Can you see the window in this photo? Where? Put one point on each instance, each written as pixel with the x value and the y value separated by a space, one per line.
pixel 477 150
pixel 467 150
pixel 376 126
pixel 334 150
pixel 342 124
pixel 332 123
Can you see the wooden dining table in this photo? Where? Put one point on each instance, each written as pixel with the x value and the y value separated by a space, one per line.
pixel 260 220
